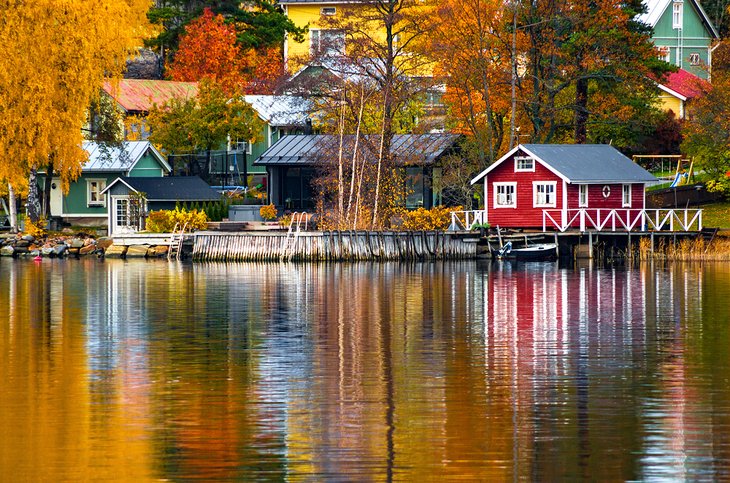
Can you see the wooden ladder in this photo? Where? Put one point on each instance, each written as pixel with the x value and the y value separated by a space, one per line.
pixel 292 235
pixel 176 242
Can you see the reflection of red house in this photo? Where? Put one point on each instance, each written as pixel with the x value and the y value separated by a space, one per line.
pixel 536 180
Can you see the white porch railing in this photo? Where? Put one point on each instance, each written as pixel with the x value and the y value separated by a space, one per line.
pixel 622 220
pixel 465 220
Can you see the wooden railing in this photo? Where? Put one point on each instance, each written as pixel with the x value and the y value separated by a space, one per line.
pixel 622 220
pixel 465 220
pixel 598 220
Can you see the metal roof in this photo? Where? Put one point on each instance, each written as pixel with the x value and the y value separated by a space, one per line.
pixel 308 149
pixel 581 163
pixel 281 110
pixel 170 188
pixel 109 159
pixel 655 9
pixel 140 95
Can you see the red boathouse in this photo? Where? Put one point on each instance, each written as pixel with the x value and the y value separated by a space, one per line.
pixel 560 185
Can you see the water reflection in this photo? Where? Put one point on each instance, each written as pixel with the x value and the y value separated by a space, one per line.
pixel 144 370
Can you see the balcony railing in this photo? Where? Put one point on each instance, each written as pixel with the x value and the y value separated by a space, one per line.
pixel 603 220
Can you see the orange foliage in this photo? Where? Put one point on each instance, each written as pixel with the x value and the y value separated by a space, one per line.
pixel 209 50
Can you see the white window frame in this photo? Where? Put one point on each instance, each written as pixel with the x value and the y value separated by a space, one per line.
pixel 665 54
pixel 496 189
pixel 523 169
pixel 545 203
pixel 582 196
pixel 328 11
pixel 626 190
pixel 101 185
pixel 315 43
pixel 677 14
pixel 694 59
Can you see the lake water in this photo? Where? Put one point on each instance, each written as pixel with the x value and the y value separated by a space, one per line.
pixel 137 371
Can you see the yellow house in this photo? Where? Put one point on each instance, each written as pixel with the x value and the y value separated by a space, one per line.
pixel 678 89
pixel 316 14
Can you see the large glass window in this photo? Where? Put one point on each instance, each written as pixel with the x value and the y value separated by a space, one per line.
pixel 504 195
pixel 414 187
pixel 326 43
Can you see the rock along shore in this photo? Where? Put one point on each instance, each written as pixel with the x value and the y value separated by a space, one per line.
pixel 74 246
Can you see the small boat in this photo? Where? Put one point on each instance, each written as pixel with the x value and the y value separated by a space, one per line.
pixel 535 253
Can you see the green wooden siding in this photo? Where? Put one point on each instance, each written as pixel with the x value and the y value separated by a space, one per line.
pixel 76 201
pixel 693 38
pixel 147 167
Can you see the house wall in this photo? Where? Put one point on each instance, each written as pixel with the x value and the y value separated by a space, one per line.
pixel 296 53
pixel 668 102
pixel 147 167
pixel 75 202
pixel 693 38
pixel 524 214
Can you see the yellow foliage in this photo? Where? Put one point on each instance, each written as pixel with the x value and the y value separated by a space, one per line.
pixel 61 51
pixel 164 221
pixel 268 212
pixel 437 218
pixel 37 229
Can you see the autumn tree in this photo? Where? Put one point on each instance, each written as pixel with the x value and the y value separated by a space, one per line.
pixel 707 131
pixel 57 63
pixel 203 123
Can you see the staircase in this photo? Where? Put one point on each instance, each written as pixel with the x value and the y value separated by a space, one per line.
pixel 292 235
pixel 176 242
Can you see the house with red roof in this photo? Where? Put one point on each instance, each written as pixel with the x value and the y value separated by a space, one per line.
pixel 136 97
pixel 678 89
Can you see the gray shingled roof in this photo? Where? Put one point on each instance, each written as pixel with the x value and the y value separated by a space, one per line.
pixel 171 188
pixel 581 163
pixel 311 149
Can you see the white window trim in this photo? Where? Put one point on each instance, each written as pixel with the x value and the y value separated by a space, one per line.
pixel 328 11
pixel 316 47
pixel 524 170
pixel 495 189
pixel 535 184
pixel 624 203
pixel 582 203
pixel 695 59
pixel 102 199
pixel 677 14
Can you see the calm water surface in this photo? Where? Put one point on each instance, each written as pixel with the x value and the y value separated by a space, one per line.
pixel 137 371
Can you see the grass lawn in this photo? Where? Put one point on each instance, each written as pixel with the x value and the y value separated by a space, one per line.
pixel 716 215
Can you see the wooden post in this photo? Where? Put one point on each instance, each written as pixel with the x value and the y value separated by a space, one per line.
pixel 590 245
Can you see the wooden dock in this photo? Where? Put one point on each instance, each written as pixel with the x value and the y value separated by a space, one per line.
pixel 334 246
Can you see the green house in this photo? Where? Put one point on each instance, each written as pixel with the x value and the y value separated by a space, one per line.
pixel 84 204
pixel 683 33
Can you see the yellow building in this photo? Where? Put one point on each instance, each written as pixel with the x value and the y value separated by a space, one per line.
pixel 678 89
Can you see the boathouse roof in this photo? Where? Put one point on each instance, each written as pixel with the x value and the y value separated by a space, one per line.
pixel 182 188
pixel 580 163
pixel 308 149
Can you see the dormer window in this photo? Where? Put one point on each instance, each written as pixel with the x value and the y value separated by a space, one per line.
pixel 329 11
pixel 524 164
pixel 677 7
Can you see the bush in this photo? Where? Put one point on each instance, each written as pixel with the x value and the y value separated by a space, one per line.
pixel 437 218
pixel 37 229
pixel 164 221
pixel 268 212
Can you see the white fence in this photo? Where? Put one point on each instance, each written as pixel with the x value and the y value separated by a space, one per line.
pixel 598 220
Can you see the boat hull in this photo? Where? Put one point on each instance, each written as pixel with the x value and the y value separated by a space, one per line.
pixel 533 253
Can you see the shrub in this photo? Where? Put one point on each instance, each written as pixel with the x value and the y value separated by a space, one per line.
pixel 268 212
pixel 437 218
pixel 37 229
pixel 164 221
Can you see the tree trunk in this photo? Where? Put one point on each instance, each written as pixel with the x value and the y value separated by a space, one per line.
pixel 47 191
pixel 34 202
pixel 581 111
pixel 13 209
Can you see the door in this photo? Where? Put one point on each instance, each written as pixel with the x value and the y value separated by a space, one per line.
pixel 56 198
pixel 121 219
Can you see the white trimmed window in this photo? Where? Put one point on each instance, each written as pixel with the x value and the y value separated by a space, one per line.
pixel 326 43
pixel 583 196
pixel 544 194
pixel 94 187
pixel 328 11
pixel 694 59
pixel 626 196
pixel 524 164
pixel 505 195
pixel 677 14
